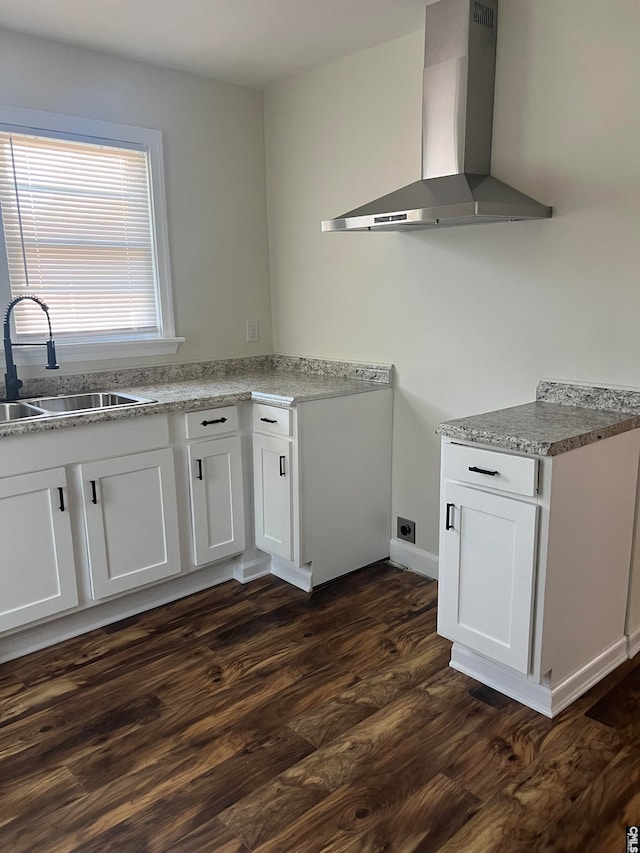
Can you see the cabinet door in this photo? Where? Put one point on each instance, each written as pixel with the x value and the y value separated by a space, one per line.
pixel 37 572
pixel 487 560
pixel 272 495
pixel 217 510
pixel 131 521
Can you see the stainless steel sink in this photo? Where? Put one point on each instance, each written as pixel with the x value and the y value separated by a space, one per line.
pixel 83 402
pixel 18 411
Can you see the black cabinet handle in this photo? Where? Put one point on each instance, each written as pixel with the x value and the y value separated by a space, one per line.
pixel 199 475
pixel 483 471
pixel 448 524
pixel 94 496
pixel 216 421
pixel 282 471
pixel 61 495
pixel 269 420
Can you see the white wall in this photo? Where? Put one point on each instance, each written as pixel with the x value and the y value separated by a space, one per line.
pixel 471 317
pixel 215 175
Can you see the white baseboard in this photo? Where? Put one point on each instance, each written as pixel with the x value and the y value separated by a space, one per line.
pixel 251 565
pixel 568 690
pixel 299 576
pixel 633 643
pixel 97 615
pixel 544 699
pixel 506 681
pixel 416 559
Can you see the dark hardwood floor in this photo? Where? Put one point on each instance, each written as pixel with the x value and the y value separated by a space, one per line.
pixel 259 718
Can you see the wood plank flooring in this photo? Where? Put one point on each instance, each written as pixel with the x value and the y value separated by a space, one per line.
pixel 257 718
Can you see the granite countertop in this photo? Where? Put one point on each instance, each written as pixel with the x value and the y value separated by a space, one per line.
pixel 564 416
pixel 283 386
pixel 540 428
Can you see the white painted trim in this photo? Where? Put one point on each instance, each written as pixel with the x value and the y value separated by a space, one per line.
pixel 546 700
pixel 633 642
pixel 570 688
pixel 65 627
pixel 506 681
pixel 251 565
pixel 410 557
pixel 100 351
pixel 300 576
pixel 141 138
pixel 18 118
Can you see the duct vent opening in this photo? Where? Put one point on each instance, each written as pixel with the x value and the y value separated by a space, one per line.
pixel 483 15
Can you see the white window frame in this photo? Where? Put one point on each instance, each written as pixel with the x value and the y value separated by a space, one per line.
pixel 27 121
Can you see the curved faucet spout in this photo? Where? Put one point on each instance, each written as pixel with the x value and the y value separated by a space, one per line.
pixel 12 383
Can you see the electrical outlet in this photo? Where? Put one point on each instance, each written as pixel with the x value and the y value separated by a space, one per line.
pixel 406 529
pixel 253 331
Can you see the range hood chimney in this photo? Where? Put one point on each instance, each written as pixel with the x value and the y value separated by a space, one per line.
pixel 457 122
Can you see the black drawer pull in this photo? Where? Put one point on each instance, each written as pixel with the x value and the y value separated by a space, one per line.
pixel 483 471
pixel 216 421
pixel 269 420
pixel 199 475
pixel 448 524
pixel 282 471
pixel 61 494
pixel 94 496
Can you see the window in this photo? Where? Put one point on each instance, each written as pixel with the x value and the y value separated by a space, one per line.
pixel 84 229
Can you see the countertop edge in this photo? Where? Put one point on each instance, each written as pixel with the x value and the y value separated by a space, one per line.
pixel 191 404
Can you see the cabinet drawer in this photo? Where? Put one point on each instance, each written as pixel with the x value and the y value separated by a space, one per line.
pixel 209 422
pixel 271 419
pixel 517 474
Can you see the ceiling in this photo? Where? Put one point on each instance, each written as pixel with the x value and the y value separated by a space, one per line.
pixel 251 42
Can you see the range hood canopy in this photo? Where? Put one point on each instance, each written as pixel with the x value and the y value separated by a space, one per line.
pixel 457 122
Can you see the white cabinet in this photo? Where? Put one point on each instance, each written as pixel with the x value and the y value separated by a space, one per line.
pixel 131 521
pixel 217 511
pixel 534 566
pixel 98 514
pixel 37 570
pixel 215 521
pixel 272 495
pixel 487 564
pixel 322 482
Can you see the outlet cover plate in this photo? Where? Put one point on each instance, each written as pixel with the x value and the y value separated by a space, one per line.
pixel 253 331
pixel 406 530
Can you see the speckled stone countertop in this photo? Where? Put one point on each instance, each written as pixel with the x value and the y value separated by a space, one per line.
pixel 278 384
pixel 553 424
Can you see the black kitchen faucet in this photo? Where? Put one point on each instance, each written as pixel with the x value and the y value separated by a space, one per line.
pixel 12 383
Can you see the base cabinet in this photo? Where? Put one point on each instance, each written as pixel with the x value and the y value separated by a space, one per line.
pixel 322 480
pixel 131 521
pixel 272 495
pixel 96 513
pixel 37 569
pixel 217 510
pixel 535 556
pixel 487 572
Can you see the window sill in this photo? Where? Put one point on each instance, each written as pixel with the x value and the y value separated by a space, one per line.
pixel 99 350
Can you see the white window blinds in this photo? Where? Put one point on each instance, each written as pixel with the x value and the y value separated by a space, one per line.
pixel 79 234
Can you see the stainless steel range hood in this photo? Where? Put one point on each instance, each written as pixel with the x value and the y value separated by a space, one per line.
pixel 457 122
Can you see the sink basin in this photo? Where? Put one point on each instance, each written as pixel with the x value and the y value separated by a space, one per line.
pixel 17 411
pixel 83 402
